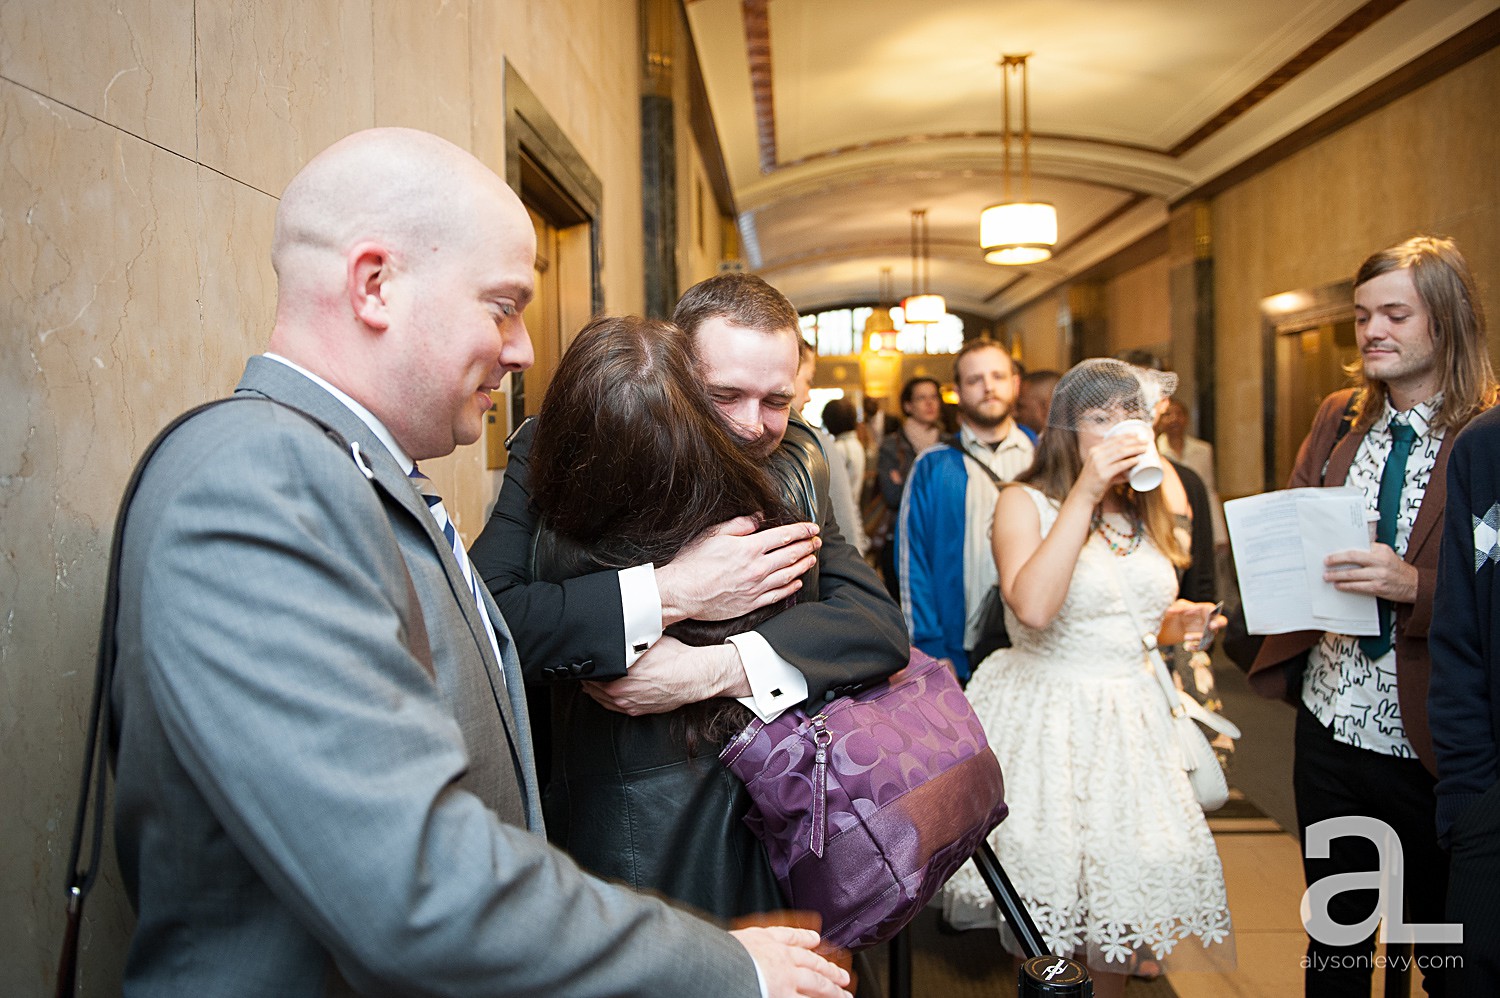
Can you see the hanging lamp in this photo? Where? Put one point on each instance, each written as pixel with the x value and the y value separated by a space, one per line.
pixel 880 328
pixel 921 306
pixel 1013 232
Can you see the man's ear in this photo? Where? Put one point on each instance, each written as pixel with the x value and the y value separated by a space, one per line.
pixel 370 272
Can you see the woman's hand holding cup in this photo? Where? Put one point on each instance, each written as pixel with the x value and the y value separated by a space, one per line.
pixel 1146 473
pixel 1108 463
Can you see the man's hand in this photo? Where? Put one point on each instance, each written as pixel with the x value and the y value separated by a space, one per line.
pixel 734 568
pixel 1378 572
pixel 672 674
pixel 790 967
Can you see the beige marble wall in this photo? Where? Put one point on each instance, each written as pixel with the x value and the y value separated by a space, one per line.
pixel 144 142
pixel 1043 341
pixel 1140 308
pixel 1429 162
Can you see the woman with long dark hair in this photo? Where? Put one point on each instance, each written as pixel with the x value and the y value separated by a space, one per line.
pixel 631 462
pixel 1105 838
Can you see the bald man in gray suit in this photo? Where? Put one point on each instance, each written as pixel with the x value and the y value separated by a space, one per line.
pixel 324 773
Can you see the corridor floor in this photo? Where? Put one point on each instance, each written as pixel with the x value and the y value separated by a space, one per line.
pixel 1262 869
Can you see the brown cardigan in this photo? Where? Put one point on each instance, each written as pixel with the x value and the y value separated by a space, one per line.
pixel 1268 675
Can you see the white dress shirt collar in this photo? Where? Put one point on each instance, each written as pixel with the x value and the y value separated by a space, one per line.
pixel 365 415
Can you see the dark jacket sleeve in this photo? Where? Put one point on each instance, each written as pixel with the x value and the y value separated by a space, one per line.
pixel 888 461
pixel 1199 583
pixel 556 627
pixel 853 633
pixel 1461 705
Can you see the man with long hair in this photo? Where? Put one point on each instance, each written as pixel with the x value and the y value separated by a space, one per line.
pixel 1363 746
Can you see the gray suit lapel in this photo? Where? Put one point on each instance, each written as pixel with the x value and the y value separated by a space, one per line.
pixel 276 381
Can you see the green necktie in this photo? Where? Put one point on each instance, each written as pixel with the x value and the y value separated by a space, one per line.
pixel 1388 504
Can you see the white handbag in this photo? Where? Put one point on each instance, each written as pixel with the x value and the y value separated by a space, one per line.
pixel 1196 755
pixel 1198 758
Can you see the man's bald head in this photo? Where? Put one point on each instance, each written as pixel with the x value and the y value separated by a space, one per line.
pixel 403 265
pixel 408 189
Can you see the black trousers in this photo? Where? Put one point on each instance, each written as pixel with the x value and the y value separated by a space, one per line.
pixel 1333 780
pixel 1474 897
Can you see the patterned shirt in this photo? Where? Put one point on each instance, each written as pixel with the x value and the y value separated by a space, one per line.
pixel 1343 688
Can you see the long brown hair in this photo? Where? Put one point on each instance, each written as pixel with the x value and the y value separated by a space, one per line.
pixel 632 461
pixel 1456 321
pixel 1058 462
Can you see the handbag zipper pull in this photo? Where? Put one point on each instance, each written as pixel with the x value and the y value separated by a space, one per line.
pixel 821 738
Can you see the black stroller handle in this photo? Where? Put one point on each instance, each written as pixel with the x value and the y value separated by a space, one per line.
pixel 1009 902
pixel 1041 974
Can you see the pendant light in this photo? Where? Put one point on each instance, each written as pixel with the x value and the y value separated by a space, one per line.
pixel 921 306
pixel 880 329
pixel 1017 232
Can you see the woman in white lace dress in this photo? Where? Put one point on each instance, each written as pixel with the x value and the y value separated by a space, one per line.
pixel 1105 839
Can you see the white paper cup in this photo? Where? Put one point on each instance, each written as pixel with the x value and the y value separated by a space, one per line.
pixel 1146 474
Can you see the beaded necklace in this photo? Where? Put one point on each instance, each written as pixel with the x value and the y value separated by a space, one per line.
pixel 1120 542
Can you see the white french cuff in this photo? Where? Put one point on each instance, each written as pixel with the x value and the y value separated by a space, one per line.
pixel 640 605
pixel 775 684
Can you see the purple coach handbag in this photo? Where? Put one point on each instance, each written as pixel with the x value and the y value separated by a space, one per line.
pixel 867 808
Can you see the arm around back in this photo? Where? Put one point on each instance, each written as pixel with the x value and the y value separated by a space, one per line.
pixel 576 621
pixel 852 634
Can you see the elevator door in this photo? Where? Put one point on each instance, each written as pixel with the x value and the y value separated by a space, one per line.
pixel 1311 364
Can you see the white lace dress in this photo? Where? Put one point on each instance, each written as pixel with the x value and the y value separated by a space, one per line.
pixel 1105 840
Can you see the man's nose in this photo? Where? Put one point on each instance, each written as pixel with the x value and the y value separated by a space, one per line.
pixel 747 420
pixel 516 352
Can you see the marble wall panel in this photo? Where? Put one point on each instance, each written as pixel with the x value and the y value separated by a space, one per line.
pixel 103 321
pixel 127 62
pixel 1043 341
pixel 1140 308
pixel 280 80
pixel 581 58
pixel 422 77
pixel 1428 162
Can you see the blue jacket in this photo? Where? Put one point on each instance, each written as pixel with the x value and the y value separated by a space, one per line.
pixel 930 550
pixel 930 533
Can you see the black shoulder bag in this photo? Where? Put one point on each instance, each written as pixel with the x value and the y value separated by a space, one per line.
pixel 992 634
pixel 95 778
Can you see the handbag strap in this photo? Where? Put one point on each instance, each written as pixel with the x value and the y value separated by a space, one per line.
pixel 95 770
pixel 1148 645
pixel 1178 702
pixel 958 446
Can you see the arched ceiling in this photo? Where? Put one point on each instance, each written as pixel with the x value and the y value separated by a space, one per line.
pixel 836 118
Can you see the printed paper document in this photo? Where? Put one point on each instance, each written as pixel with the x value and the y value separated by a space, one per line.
pixel 1280 540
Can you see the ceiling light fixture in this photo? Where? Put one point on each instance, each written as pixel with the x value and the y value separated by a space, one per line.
pixel 921 306
pixel 1018 232
pixel 880 328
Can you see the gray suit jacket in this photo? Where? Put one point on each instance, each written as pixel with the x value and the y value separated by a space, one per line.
pixel 322 782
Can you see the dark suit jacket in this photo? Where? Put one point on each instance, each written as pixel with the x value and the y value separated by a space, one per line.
pixel 850 634
pixel 322 783
pixel 1268 675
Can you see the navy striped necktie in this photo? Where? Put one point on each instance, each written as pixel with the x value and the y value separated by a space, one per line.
pixel 435 507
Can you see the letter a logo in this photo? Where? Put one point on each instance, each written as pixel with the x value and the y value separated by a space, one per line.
pixel 1389 880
